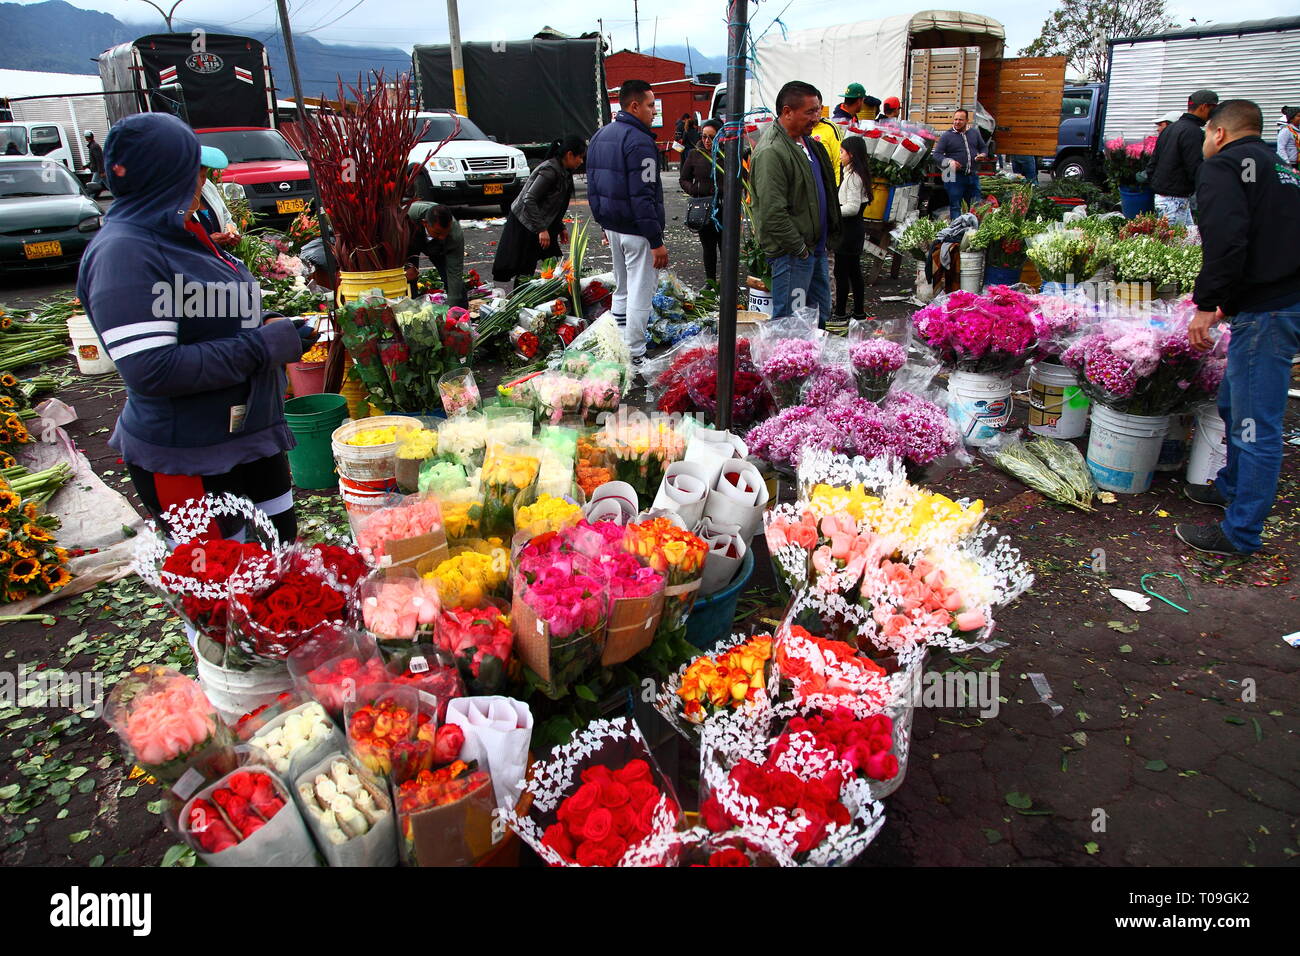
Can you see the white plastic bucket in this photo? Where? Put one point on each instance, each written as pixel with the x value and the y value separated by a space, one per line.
pixel 236 693
pixel 367 462
pixel 1209 447
pixel 972 272
pixel 1177 443
pixel 1057 406
pixel 760 301
pixel 1123 449
pixel 979 403
pixel 91 357
pixel 924 290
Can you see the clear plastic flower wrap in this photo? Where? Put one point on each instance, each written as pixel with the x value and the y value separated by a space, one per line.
pixel 786 352
pixel 167 725
pixel 510 474
pixel 459 392
pixel 284 599
pixel 397 606
pixel 639 449
pixel 1145 364
pixel 331 668
pixel 431 670
pixel 464 439
pixel 392 729
pixel 403 531
pixel 597 801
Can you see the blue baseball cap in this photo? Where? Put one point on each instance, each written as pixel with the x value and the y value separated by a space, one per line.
pixel 212 158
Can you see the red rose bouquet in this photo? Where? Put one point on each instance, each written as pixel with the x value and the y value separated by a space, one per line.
pixel 287 599
pixel 393 732
pixel 330 668
pixel 430 671
pixel 193 559
pixel 803 795
pixel 247 819
pixel 480 640
pixel 598 801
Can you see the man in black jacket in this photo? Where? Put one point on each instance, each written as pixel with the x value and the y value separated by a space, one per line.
pixel 1250 229
pixel 1177 157
pixel 94 163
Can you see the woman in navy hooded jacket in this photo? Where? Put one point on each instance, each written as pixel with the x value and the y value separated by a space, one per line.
pixel 182 320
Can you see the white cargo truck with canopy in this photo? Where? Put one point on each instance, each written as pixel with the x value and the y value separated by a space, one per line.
pixel 935 62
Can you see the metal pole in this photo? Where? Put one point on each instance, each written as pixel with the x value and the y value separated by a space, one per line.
pixel 636 19
pixel 457 61
pixel 292 58
pixel 737 43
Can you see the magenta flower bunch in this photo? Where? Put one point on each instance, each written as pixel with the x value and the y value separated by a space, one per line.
pixel 992 332
pixel 566 591
pixel 830 383
pixel 1057 321
pixel 1142 368
pixel 785 366
pixel 874 363
pixel 907 425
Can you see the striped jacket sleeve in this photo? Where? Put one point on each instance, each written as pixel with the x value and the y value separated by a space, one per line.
pixel 121 301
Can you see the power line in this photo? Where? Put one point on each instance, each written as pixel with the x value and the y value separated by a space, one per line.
pixel 335 20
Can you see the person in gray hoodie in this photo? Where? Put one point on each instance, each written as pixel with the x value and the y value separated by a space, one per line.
pixel 182 319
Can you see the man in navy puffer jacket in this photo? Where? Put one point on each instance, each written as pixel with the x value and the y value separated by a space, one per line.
pixel 627 199
pixel 182 320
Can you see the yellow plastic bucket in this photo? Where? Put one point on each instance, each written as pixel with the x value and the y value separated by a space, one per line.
pixel 392 282
pixel 879 204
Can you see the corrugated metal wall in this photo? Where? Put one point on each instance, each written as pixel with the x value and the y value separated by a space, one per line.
pixel 1151 78
pixel 88 113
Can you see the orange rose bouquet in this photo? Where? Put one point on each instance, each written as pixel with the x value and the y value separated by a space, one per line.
pixel 676 554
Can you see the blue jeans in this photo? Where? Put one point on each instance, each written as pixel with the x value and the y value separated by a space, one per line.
pixel 961 186
pixel 1252 401
pixel 1026 166
pixel 801 283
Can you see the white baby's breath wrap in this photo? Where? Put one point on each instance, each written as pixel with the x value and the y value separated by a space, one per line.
pixel 729 738
pixel 555 779
pixel 672 708
pixel 189 521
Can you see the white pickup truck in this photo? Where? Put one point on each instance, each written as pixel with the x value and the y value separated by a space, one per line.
pixel 44 140
pixel 471 169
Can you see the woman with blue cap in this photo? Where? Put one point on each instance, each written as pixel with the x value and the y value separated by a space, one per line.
pixel 182 320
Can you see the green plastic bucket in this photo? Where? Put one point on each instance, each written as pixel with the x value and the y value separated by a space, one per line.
pixel 312 419
pixel 711 617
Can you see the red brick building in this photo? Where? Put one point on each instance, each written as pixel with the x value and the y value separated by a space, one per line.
pixel 675 92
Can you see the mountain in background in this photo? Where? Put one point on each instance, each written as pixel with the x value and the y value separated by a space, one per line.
pixel 696 61
pixel 56 37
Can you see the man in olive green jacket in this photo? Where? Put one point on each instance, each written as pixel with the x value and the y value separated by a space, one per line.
pixel 796 211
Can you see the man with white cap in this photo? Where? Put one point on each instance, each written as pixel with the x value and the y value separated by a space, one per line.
pixel 1165 119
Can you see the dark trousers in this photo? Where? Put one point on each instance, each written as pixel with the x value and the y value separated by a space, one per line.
pixel 848 266
pixel 264 482
pixel 710 237
pixel 961 187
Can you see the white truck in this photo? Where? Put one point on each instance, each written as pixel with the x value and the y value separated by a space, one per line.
pixel 49 115
pixel 934 61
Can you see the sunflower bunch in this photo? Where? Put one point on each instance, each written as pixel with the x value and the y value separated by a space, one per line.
pixel 13 411
pixel 31 562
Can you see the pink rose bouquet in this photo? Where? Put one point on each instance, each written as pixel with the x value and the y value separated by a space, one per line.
pixel 559 615
pixel 167 724
pixel 398 605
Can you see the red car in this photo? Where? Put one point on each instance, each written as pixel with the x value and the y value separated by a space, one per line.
pixel 275 178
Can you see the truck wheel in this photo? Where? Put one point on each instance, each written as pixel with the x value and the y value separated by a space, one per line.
pixel 1074 167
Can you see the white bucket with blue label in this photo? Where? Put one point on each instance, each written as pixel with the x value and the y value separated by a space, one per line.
pixel 979 403
pixel 1123 449
pixel 1209 447
pixel 760 300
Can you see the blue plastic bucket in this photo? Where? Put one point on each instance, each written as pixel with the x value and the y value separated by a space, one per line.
pixel 1136 200
pixel 1001 275
pixel 711 618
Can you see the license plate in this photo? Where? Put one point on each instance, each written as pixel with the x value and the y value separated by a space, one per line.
pixel 290 205
pixel 494 189
pixel 42 250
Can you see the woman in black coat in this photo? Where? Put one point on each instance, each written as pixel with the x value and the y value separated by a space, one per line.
pixel 699 179
pixel 535 229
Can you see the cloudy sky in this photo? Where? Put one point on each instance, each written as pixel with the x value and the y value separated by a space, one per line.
pixel 403 22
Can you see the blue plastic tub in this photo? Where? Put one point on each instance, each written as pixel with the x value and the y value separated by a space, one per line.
pixel 711 618
pixel 1001 275
pixel 1135 200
